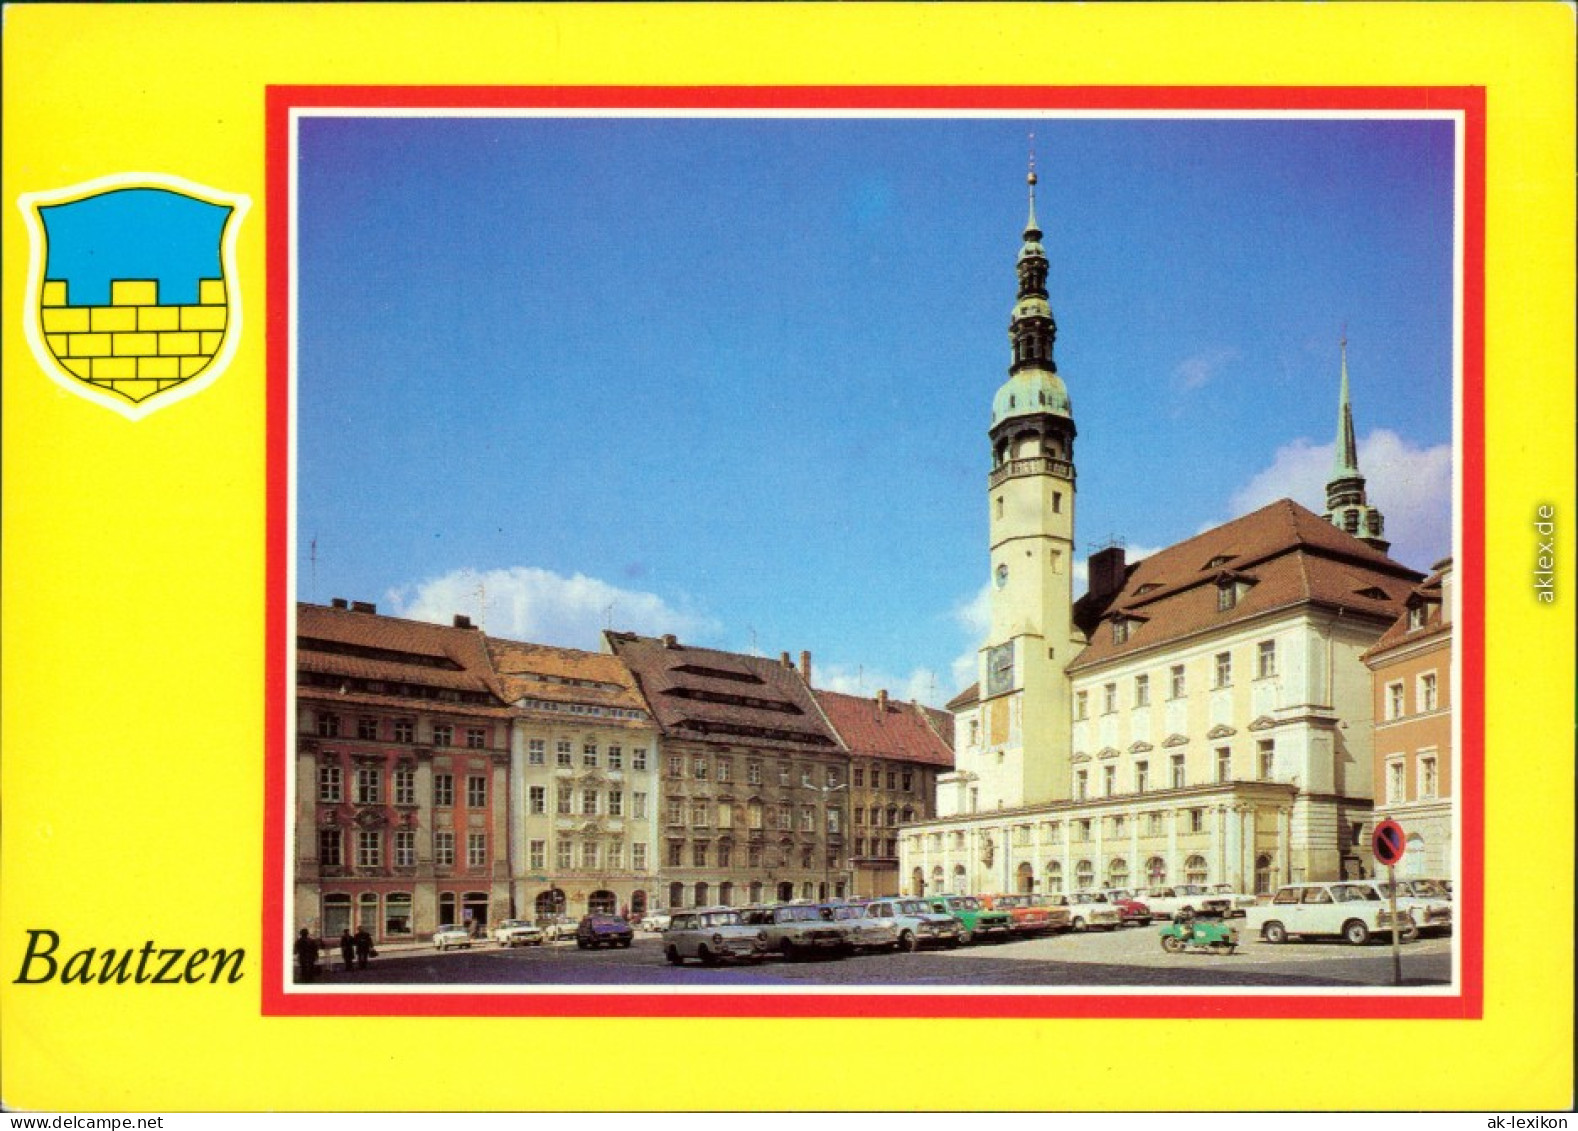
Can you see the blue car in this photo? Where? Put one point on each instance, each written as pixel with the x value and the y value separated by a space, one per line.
pixel 603 930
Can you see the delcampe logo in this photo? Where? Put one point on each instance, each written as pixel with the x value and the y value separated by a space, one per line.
pixel 132 297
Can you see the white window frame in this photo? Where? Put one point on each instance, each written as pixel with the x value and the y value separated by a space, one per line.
pixel 1396 779
pixel 1429 783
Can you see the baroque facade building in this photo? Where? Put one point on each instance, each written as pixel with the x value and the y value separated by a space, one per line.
pixel 1412 670
pixel 754 778
pixel 583 782
pixel 401 765
pixel 896 752
pixel 1202 715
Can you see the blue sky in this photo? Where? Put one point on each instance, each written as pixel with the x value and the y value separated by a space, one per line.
pixel 731 378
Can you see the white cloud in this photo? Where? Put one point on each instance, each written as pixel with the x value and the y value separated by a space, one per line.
pixel 973 615
pixel 1202 368
pixel 1412 487
pixel 524 603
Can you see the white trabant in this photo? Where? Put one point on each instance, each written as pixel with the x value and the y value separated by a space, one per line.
pixel 517 932
pixel 1351 910
pixel 710 935
pixel 1431 912
pixel 451 934
pixel 1088 910
pixel 1169 901
pixel 867 930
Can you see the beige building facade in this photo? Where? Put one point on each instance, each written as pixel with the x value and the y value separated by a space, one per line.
pixel 584 782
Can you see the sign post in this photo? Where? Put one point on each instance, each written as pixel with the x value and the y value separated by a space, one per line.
pixel 1388 844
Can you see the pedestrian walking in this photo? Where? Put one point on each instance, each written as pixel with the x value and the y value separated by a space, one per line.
pixel 307 955
pixel 364 947
pixel 347 949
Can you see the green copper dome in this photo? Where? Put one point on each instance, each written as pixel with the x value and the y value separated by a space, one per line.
pixel 1031 392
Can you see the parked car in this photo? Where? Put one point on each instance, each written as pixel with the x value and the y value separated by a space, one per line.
pixel 1165 902
pixel 1030 914
pixel 866 931
pixel 1349 910
pixel 451 935
pixel 975 920
pixel 556 927
pixel 798 929
pixel 603 930
pixel 1431 913
pixel 517 932
pixel 710 935
pixel 655 921
pixel 1429 889
pixel 1241 899
pixel 1131 909
pixel 1089 910
pixel 918 925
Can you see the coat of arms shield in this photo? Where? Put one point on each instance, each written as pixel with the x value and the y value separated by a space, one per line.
pixel 133 300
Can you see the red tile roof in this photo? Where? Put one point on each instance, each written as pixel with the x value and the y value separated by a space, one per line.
pixel 903 732
pixel 703 693
pixel 365 645
pixel 1438 617
pixel 1284 554
pixel 563 675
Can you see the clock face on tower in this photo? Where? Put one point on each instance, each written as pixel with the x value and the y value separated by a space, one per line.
pixel 1000 669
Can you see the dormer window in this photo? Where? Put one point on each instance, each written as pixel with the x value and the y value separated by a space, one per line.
pixel 1373 593
pixel 1219 561
pixel 1417 615
pixel 1120 630
pixel 1148 587
pixel 1226 596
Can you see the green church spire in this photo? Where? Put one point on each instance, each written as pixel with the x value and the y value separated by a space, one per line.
pixel 1347 503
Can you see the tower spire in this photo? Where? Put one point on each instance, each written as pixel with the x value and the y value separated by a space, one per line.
pixel 1347 460
pixel 1030 178
pixel 1347 502
pixel 1032 328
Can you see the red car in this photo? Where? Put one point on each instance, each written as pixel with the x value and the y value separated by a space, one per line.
pixel 1130 909
pixel 1028 914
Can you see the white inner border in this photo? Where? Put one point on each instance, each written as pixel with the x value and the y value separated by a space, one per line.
pixel 289 726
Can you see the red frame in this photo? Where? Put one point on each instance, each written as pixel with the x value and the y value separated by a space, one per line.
pixel 1467 1004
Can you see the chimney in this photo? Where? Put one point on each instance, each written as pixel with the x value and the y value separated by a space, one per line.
pixel 805 667
pixel 1106 568
pixel 363 607
pixel 882 703
pixel 339 603
pixel 783 658
pixel 462 620
pixel 670 641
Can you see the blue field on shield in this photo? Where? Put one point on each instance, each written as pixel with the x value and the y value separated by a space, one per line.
pixel 134 233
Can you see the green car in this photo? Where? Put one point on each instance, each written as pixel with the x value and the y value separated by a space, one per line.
pixel 975 921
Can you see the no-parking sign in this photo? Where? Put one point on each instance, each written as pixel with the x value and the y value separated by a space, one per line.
pixel 1388 843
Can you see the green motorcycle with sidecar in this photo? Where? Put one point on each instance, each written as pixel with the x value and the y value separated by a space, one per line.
pixel 1210 929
